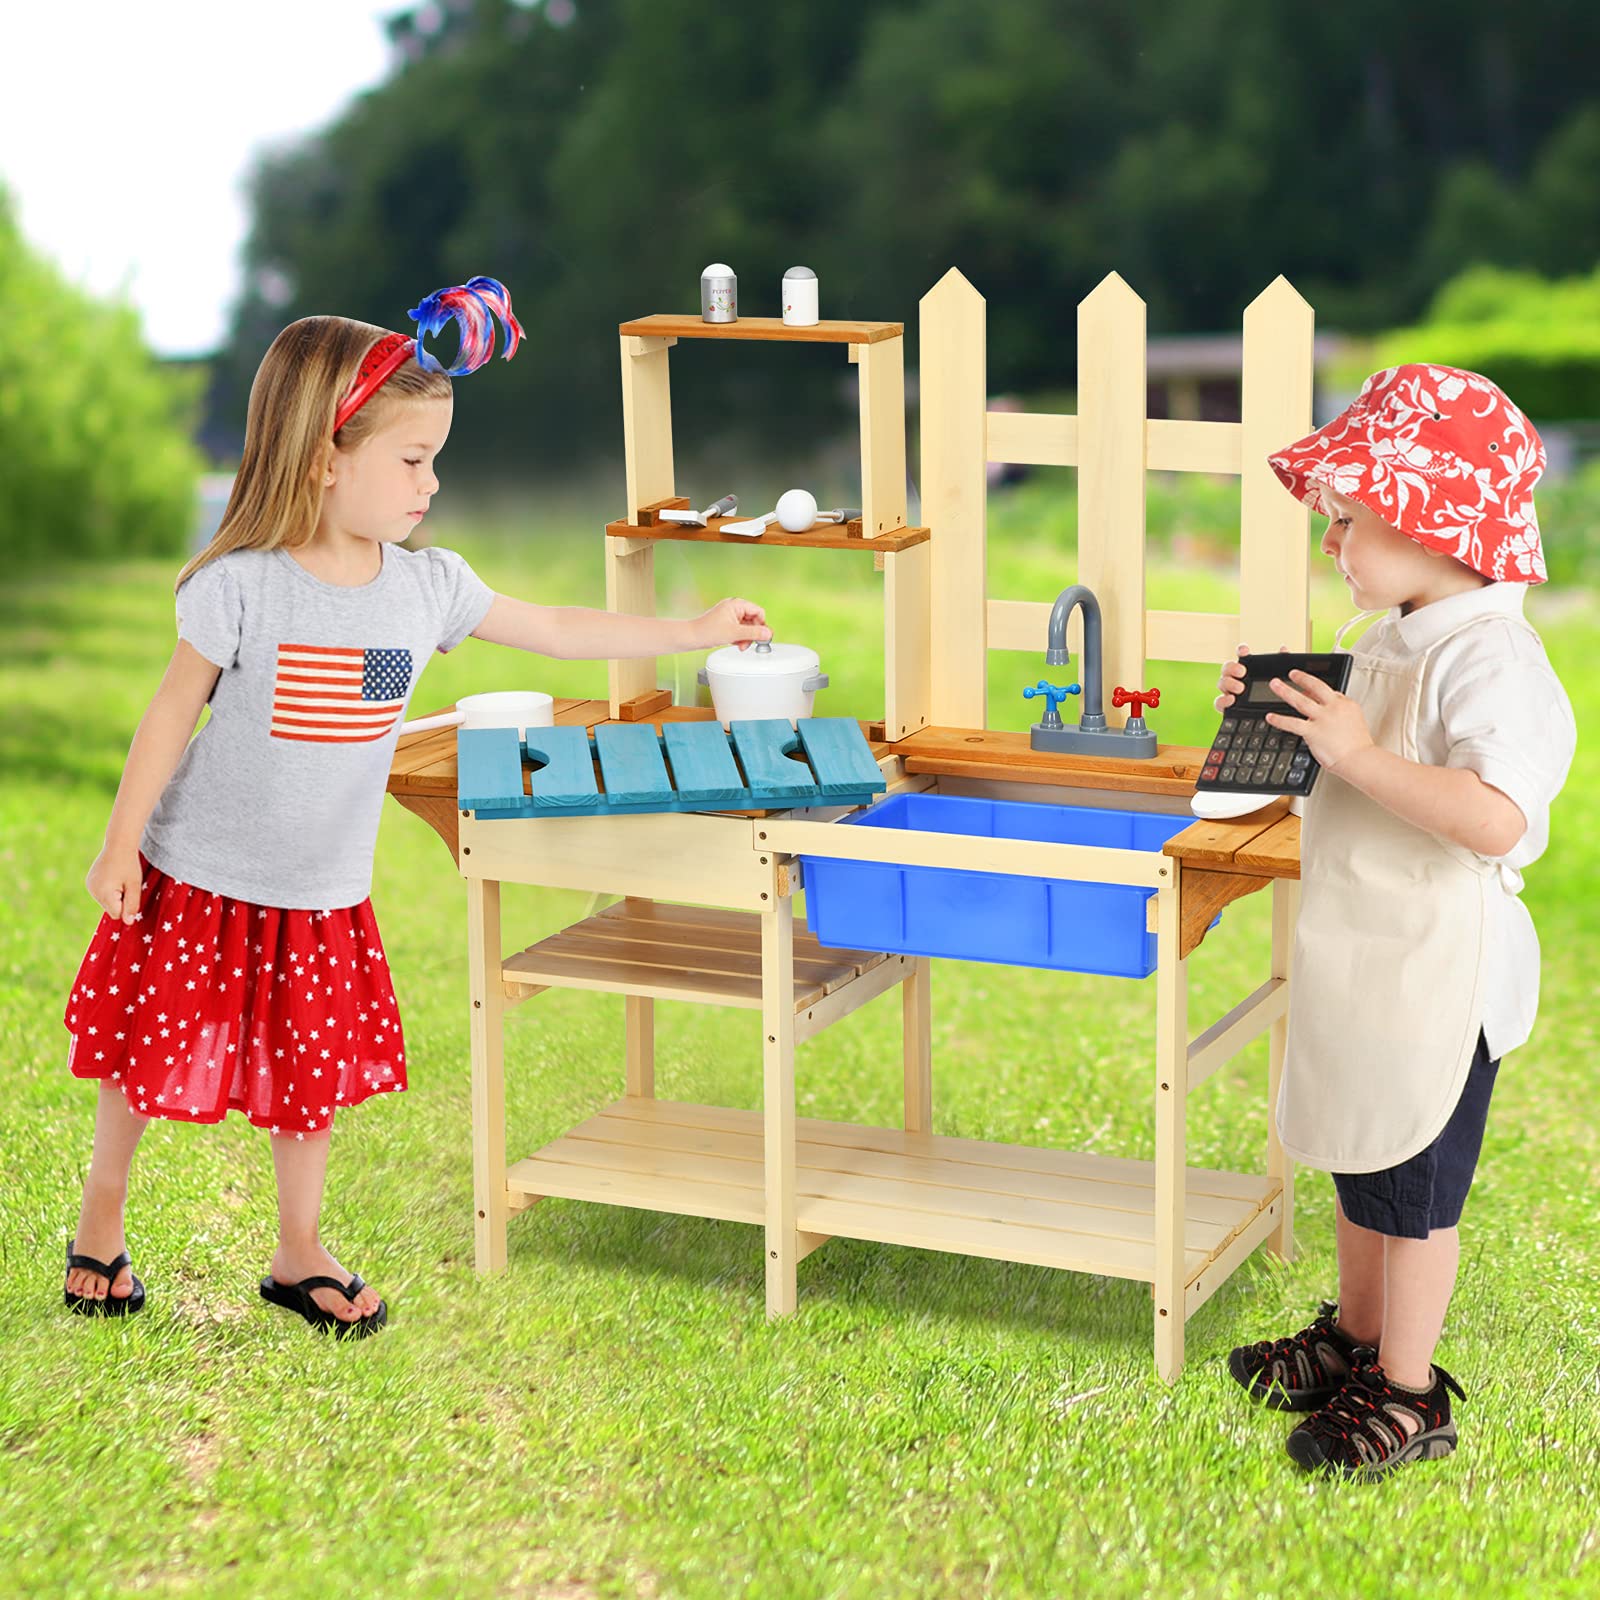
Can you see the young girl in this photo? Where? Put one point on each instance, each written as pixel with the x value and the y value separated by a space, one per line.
pixel 1415 965
pixel 238 964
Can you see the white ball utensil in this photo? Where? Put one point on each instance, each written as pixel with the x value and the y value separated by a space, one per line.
pixel 797 513
pixel 797 510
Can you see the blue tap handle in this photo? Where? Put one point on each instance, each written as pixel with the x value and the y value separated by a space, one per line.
pixel 1052 694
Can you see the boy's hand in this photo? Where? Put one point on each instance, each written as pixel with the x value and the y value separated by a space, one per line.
pixel 1232 679
pixel 1332 724
pixel 114 882
pixel 740 622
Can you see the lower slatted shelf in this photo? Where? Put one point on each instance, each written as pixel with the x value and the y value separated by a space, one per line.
pixel 1084 1213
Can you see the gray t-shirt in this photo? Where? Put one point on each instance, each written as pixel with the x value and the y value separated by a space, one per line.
pixel 277 798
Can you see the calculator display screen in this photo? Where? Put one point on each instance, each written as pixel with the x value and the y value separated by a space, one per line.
pixel 1261 690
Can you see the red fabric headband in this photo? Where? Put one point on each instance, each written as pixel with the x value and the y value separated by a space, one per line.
pixel 379 364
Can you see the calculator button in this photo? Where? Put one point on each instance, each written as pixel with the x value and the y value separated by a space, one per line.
pixel 1223 740
pixel 1280 770
pixel 1230 724
pixel 1209 772
pixel 1229 773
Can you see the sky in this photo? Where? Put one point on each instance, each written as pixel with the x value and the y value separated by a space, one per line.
pixel 125 147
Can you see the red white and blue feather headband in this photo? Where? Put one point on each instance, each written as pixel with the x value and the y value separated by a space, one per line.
pixel 473 306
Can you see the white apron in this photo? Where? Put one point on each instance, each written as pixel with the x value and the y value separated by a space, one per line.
pixel 1390 945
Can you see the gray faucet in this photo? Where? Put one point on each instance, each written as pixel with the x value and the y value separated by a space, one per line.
pixel 1091 736
pixel 1093 715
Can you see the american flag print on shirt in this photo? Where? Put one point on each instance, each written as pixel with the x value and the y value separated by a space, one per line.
pixel 331 694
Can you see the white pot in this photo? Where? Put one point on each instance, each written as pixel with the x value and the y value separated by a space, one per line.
pixel 765 681
pixel 502 708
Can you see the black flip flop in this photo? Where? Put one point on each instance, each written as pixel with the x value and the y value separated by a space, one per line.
pixel 88 1305
pixel 296 1297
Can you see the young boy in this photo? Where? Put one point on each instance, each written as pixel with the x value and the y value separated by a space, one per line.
pixel 1415 966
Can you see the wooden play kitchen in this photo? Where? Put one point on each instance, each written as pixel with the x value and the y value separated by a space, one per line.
pixel 978 845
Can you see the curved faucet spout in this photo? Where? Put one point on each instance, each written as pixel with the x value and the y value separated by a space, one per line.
pixel 1056 655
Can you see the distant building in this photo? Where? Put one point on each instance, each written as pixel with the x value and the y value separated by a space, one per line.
pixel 1196 377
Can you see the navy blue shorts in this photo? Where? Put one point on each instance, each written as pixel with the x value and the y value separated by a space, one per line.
pixel 1429 1190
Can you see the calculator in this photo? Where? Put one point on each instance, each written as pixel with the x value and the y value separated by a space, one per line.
pixel 1249 755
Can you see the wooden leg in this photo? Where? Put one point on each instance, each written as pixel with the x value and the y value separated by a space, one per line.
pixel 1172 1096
pixel 777 1054
pixel 916 1010
pixel 639 1013
pixel 1285 907
pixel 484 955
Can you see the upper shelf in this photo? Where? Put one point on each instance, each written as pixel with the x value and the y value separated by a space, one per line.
pixel 673 327
pixel 825 536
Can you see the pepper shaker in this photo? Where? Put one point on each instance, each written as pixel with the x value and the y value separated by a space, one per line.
pixel 719 294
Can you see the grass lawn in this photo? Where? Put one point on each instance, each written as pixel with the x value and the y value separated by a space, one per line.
pixel 614 1416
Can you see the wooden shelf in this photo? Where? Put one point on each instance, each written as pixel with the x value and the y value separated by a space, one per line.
pixel 1052 1208
pixel 703 955
pixel 768 328
pixel 825 536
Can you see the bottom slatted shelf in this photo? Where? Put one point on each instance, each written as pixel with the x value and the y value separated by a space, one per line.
pixel 1083 1213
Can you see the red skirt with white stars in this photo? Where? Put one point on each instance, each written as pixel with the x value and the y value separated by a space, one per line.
pixel 206 1004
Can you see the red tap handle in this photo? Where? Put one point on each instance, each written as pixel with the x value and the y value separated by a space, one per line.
pixel 1137 698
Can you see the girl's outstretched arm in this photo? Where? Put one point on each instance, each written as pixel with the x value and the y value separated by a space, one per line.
pixel 158 745
pixel 578 633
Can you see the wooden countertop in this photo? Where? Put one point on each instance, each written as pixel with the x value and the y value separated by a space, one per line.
pixel 1220 861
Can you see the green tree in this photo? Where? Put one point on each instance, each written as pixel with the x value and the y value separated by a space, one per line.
pixel 94 435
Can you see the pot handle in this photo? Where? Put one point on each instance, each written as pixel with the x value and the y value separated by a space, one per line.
pixel 820 681
pixel 445 719
pixel 701 678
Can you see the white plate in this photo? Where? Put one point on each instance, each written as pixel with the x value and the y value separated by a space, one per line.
pixel 1218 807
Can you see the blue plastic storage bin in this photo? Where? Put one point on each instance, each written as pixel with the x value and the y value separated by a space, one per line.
pixel 990 916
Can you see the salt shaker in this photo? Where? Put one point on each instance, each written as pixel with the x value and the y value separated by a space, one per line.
pixel 719 294
pixel 800 297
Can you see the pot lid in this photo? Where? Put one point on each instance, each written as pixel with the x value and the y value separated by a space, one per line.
pixel 761 660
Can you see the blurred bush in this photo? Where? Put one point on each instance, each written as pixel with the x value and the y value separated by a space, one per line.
pixel 1538 338
pixel 95 452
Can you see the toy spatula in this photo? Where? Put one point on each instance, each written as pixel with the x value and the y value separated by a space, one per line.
pixel 725 507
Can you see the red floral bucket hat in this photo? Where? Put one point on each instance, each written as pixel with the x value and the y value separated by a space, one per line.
pixel 1442 455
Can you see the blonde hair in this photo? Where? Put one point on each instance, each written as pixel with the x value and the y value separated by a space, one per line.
pixel 276 500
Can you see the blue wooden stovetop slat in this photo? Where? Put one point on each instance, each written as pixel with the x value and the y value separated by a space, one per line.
pixel 634 765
